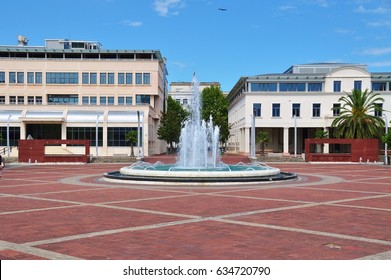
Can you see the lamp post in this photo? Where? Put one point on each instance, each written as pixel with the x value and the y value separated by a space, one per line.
pixel 138 135
pixel 8 135
pixel 385 144
pixel 96 135
pixel 295 135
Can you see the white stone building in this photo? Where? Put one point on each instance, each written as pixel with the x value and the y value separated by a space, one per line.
pixel 300 99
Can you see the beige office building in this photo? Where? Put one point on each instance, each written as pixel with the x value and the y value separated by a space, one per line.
pixel 77 90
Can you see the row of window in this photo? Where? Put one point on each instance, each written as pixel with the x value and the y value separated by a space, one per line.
pixel 105 78
pixel 60 99
pixel 116 136
pixel 303 87
pixel 296 110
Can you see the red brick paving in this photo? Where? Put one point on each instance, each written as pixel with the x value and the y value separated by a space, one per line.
pixel 331 212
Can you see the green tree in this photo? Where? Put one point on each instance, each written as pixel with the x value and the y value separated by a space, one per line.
pixel 132 137
pixel 216 105
pixel 262 138
pixel 386 138
pixel 171 122
pixel 357 119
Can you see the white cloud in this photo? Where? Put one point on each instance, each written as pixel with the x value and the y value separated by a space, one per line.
pixel 378 10
pixel 377 51
pixel 164 7
pixel 343 31
pixel 180 65
pixel 380 23
pixel 287 8
pixel 380 64
pixel 132 23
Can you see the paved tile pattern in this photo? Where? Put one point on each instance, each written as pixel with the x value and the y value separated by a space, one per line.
pixel 68 212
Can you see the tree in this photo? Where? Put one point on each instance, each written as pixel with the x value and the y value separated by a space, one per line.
pixel 171 122
pixel 320 134
pixel 356 119
pixel 132 137
pixel 216 105
pixel 262 137
pixel 386 138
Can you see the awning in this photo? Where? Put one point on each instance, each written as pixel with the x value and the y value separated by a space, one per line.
pixel 43 116
pixel 79 116
pixel 124 117
pixel 5 114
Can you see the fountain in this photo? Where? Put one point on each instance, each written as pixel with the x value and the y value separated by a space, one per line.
pixel 199 158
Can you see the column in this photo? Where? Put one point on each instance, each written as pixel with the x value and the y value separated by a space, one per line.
pixel 247 140
pixel 326 146
pixel 286 141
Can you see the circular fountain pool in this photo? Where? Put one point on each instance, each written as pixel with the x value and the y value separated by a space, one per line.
pixel 240 172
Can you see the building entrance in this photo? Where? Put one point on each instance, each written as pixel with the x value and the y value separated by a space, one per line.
pixel 44 131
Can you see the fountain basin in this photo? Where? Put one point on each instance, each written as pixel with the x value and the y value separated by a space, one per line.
pixel 218 174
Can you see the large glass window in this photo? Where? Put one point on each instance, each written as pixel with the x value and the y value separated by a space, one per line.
pixel 85 100
pixel 143 99
pixel 121 100
pixel 111 78
pixel 116 136
pixel 139 78
pixel 2 77
pixel 129 78
pixel 129 100
pixel 263 86
pixel 316 110
pixel 147 78
pixel 14 135
pixel 357 85
pixel 276 110
pixel 257 109
pixel 336 109
pixel 110 100
pixel 85 133
pixel 30 77
pixel 59 99
pixel 337 86
pixel 93 78
pixel 20 78
pixel 103 100
pixel 85 78
pixel 379 86
pixel 12 77
pixel 93 100
pixel 38 77
pixel 292 86
pixel 314 86
pixel 121 78
pixel 103 78
pixel 296 109
pixel 62 78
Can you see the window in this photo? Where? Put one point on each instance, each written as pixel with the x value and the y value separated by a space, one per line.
pixel 54 99
pixel 103 100
pixel 38 100
pixel 103 78
pixel 62 78
pixel 2 99
pixel 116 136
pixel 139 78
pixel 296 109
pixel 316 110
pixel 121 100
pixel 38 77
pixel 14 135
pixel 12 77
pixel 93 100
pixel 143 99
pixel 30 77
pixel 111 78
pixel 20 100
pixel 85 100
pixel 147 78
pixel 85 133
pixel 110 100
pixel 263 86
pixel 292 86
pixel 379 110
pixel 20 78
pixel 121 78
pixel 93 78
pixel 85 78
pixel 129 100
pixel 257 109
pixel 336 109
pixel 185 101
pixel 337 86
pixel 12 99
pixel 314 86
pixel 357 85
pixel 30 100
pixel 129 78
pixel 2 77
pixel 377 86
pixel 276 110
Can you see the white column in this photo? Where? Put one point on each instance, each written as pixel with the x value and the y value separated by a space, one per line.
pixel 326 146
pixel 247 140
pixel 286 140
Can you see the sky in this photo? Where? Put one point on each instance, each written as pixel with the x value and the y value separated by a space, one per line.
pixel 250 37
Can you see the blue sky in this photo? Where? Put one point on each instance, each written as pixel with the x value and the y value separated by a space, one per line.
pixel 251 37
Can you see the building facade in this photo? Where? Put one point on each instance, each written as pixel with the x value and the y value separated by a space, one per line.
pixel 76 90
pixel 292 105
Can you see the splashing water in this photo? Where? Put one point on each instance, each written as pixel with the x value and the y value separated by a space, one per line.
pixel 199 140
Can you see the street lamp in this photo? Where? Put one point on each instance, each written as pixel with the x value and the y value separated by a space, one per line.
pixel 385 144
pixel 295 135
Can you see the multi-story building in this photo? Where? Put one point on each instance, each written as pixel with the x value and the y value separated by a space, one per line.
pixel 71 89
pixel 183 91
pixel 300 99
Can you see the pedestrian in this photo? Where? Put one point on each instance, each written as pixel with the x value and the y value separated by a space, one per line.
pixel 2 164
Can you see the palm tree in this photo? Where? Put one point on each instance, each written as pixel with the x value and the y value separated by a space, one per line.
pixel 262 137
pixel 131 137
pixel 356 119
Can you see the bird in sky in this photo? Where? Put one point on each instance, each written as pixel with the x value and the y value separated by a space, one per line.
pixel 223 9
